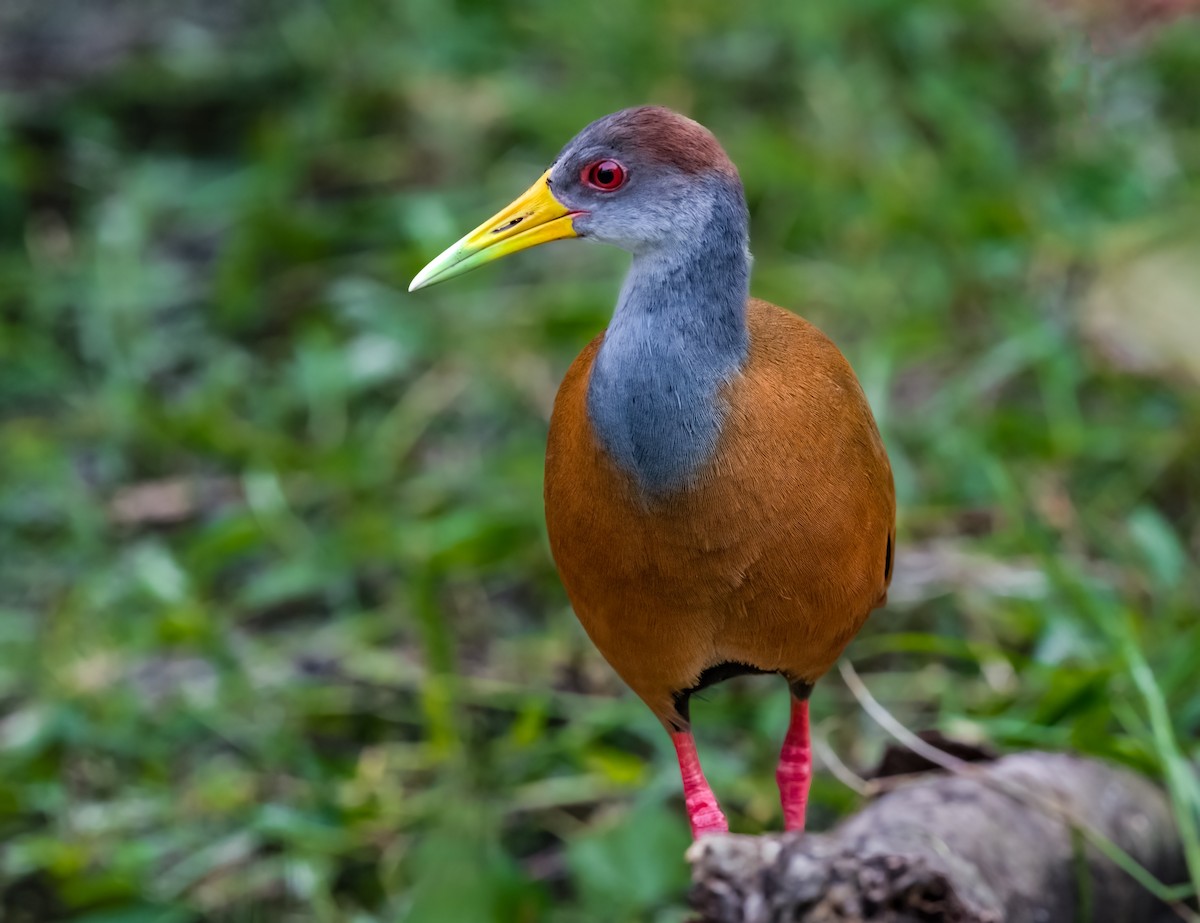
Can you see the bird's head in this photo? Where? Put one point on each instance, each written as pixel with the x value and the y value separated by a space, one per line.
pixel 641 179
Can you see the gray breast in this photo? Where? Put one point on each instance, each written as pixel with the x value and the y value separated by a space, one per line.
pixel 657 413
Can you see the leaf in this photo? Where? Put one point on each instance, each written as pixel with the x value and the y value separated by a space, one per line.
pixel 624 871
pixel 1142 312
pixel 1159 545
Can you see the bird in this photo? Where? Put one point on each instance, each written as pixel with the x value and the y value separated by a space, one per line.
pixel 718 497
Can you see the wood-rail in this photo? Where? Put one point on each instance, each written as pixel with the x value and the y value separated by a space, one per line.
pixel 718 498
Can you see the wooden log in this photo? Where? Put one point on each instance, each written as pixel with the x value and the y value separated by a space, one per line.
pixel 988 844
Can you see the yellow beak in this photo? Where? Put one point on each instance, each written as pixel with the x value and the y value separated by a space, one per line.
pixel 535 218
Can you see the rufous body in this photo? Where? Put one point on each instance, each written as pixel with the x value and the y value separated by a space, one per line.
pixel 771 559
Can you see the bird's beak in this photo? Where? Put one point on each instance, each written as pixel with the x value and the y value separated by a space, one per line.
pixel 535 218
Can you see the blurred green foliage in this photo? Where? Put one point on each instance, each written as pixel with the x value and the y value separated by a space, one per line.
pixel 280 638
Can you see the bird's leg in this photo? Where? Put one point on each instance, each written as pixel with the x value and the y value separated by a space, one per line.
pixel 703 811
pixel 794 772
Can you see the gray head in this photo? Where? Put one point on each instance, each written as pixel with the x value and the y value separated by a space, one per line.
pixel 643 179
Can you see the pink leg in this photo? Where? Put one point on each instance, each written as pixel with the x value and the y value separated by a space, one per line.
pixel 703 811
pixel 795 767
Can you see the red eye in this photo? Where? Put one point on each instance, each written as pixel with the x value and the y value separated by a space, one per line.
pixel 606 175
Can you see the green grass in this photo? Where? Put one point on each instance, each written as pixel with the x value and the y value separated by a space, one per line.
pixel 280 638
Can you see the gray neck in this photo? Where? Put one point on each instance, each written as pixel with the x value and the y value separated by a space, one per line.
pixel 679 332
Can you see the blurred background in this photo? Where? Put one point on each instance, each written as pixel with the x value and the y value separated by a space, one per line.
pixel 280 637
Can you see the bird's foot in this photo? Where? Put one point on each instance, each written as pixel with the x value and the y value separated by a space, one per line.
pixel 703 811
pixel 794 773
pixel 705 815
